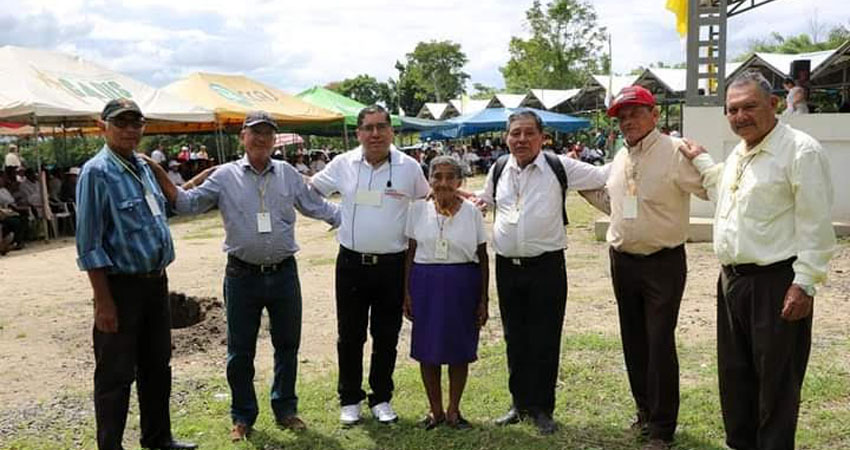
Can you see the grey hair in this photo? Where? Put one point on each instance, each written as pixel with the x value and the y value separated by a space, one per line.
pixel 446 160
pixel 525 114
pixel 753 77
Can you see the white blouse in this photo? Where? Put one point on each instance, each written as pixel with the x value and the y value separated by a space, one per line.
pixel 463 232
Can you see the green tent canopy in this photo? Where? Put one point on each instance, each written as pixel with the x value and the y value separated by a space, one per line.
pixel 338 103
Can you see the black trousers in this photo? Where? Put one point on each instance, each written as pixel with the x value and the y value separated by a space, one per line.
pixel 649 291
pixel 532 300
pixel 761 357
pixel 368 287
pixel 140 351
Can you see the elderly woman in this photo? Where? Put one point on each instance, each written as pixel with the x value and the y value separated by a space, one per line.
pixel 446 287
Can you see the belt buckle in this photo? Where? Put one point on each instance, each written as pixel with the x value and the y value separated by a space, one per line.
pixel 368 260
pixel 267 268
pixel 516 261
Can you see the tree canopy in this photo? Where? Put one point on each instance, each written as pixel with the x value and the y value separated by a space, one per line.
pixel 365 89
pixel 433 73
pixel 801 43
pixel 565 47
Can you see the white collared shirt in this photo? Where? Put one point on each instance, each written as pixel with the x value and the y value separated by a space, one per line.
pixel 367 228
pixel 463 232
pixel 540 228
pixel 780 208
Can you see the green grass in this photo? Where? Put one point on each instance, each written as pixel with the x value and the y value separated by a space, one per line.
pixel 594 408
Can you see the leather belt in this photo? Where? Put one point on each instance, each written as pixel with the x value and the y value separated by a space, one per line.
pixel 750 269
pixel 371 259
pixel 145 275
pixel 257 268
pixel 532 260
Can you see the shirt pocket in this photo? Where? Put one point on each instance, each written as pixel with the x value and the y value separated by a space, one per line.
pixel 132 215
pixel 766 201
pixel 283 203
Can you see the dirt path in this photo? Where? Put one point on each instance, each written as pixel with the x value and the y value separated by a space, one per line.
pixel 45 307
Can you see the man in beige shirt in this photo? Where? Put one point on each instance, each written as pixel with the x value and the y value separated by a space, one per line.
pixel 773 235
pixel 650 188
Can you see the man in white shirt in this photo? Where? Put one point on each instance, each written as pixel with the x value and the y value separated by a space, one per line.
pixel 12 158
pixel 529 239
pixel 377 184
pixel 158 155
pixel 774 237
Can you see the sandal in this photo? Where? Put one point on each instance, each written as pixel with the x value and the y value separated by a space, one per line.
pixel 459 424
pixel 430 422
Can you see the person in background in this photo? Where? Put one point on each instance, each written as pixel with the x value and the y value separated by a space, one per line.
pixel 446 295
pixel 174 173
pixel 795 100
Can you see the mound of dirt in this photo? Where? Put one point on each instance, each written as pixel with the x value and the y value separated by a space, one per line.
pixel 198 324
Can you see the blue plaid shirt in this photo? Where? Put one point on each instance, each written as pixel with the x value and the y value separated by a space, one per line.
pixel 116 229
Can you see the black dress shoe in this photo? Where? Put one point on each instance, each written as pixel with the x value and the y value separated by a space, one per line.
pixel 544 423
pixel 176 445
pixel 511 417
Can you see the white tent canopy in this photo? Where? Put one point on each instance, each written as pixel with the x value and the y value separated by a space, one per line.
pixel 549 98
pixel 55 88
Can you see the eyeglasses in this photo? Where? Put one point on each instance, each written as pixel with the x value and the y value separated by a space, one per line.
pixel 371 128
pixel 137 124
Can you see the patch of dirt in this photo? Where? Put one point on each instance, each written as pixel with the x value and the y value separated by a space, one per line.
pixel 198 324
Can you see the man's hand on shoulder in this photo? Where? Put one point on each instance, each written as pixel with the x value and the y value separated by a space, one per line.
pixel 691 149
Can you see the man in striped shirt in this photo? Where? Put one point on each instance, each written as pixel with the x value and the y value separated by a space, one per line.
pixel 124 245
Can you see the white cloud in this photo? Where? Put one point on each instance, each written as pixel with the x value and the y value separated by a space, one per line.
pixel 294 45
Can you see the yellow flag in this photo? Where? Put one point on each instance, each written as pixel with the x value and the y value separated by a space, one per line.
pixel 680 8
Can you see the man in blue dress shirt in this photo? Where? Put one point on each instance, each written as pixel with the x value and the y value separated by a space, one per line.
pixel 257 197
pixel 124 245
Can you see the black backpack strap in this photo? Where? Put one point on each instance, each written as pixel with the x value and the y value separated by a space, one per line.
pixel 498 167
pixel 561 174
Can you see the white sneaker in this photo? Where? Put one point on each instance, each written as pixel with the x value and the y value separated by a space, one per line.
pixel 384 413
pixel 350 414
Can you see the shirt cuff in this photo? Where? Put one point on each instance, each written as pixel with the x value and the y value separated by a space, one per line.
pixel 95 259
pixel 802 279
pixel 703 162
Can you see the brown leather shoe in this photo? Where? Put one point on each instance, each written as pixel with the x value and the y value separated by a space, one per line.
pixel 240 432
pixel 292 422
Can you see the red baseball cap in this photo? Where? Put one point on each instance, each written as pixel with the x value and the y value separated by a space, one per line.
pixel 631 95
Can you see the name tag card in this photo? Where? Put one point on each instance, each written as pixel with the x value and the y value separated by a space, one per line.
pixel 368 198
pixel 264 222
pixel 442 250
pixel 630 207
pixel 153 204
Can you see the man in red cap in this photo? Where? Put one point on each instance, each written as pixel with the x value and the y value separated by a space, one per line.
pixel 650 187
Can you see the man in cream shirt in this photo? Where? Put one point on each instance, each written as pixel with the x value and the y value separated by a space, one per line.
pixel 774 237
pixel 650 189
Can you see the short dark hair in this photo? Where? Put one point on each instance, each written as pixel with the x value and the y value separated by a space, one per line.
pixel 372 109
pixel 525 114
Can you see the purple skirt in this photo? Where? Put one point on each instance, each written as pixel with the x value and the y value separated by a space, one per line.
pixel 445 298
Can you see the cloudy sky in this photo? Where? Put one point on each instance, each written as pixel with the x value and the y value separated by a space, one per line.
pixel 296 44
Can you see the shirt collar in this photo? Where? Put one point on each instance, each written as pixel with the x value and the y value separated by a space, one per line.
pixel 395 155
pixel 766 145
pixel 245 164
pixel 539 161
pixel 646 142
pixel 136 160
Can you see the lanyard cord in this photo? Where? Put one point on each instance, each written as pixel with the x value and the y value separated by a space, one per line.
pixel 132 171
pixel 262 190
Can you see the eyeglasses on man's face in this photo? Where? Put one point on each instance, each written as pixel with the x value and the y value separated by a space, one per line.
pixel 123 123
pixel 380 127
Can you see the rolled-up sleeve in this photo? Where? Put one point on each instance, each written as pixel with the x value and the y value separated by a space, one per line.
pixel 92 214
pixel 813 196
pixel 310 202
pixel 202 198
pixel 326 182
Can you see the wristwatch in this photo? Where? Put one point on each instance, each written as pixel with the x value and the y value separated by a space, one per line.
pixel 809 289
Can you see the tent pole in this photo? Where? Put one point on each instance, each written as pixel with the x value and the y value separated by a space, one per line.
pixel 345 135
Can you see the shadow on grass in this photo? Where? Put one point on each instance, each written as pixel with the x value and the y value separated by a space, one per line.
pixel 307 439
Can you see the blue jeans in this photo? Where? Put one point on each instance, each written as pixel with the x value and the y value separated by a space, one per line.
pixel 246 293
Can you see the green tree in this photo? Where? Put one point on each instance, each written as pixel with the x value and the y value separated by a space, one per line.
pixel 564 48
pixel 801 43
pixel 433 73
pixel 483 92
pixel 365 89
